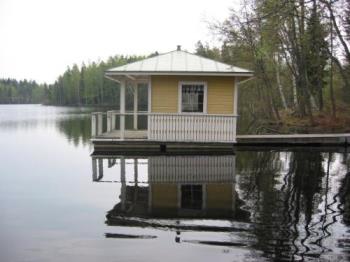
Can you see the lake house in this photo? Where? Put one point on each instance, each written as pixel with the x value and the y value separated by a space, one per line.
pixel 176 97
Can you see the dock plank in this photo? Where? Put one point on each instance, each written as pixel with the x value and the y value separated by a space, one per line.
pixel 295 139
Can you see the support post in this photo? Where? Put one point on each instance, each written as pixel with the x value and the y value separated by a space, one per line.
pixel 123 183
pixel 100 169
pixel 135 105
pixel 109 122
pixel 233 192
pixel 112 120
pixel 94 169
pixel 122 109
pixel 235 108
pixel 93 125
pixel 204 196
pixel 149 102
pixel 99 123
pixel 136 175
pixel 149 185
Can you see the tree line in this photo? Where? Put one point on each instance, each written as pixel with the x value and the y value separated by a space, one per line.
pixel 13 91
pixel 86 85
pixel 79 85
pixel 299 51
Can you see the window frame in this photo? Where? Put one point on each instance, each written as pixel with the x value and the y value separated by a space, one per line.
pixel 205 98
pixel 190 204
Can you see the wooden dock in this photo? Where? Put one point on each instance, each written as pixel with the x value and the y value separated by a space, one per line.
pixel 140 137
pixel 138 142
pixel 295 140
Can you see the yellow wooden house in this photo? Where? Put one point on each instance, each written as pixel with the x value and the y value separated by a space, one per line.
pixel 173 97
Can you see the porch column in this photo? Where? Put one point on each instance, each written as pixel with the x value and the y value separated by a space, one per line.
pixel 100 169
pixel 149 101
pixel 93 125
pixel 235 108
pixel 136 174
pixel 123 183
pixel 99 123
pixel 233 192
pixel 94 169
pixel 135 105
pixel 122 109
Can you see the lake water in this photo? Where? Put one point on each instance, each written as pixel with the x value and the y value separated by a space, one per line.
pixel 59 203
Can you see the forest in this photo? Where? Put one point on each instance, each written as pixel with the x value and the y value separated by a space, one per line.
pixel 299 51
pixel 22 92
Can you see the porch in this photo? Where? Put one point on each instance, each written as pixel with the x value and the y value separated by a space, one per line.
pixel 163 127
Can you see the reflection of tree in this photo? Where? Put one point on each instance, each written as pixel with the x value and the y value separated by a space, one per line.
pixel 307 171
pixel 76 129
pixel 259 191
pixel 283 204
pixel 344 206
pixel 344 197
pixel 305 195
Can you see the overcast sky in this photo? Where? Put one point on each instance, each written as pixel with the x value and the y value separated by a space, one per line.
pixel 40 38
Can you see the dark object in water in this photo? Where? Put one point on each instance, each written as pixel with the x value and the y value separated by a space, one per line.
pixel 216 243
pixel 115 235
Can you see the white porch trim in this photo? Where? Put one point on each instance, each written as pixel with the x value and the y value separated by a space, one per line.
pixel 122 108
pixel 235 97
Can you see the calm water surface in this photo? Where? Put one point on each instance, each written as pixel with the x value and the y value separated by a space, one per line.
pixel 58 203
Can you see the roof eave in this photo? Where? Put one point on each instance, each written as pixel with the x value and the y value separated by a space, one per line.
pixel 180 73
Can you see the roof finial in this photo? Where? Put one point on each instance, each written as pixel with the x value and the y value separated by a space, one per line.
pixel 178 48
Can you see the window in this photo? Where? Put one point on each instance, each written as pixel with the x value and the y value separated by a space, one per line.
pixel 191 196
pixel 192 97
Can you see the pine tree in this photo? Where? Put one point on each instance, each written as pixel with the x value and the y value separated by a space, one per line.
pixel 316 54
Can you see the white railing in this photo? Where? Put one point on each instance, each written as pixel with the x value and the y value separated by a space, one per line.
pixel 192 127
pixel 97 123
pixel 191 169
pixel 182 127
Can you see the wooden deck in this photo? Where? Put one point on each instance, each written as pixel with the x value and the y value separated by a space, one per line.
pixel 136 140
pixel 128 135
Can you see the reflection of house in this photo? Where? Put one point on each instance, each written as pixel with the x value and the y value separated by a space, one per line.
pixel 178 186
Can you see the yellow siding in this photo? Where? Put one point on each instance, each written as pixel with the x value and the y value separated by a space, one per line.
pixel 220 95
pixel 164 195
pixel 165 93
pixel 219 196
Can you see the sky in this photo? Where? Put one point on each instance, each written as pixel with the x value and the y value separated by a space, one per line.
pixel 40 38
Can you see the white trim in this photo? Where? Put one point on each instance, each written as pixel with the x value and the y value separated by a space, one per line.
pixel 112 79
pixel 150 95
pixel 147 73
pixel 205 98
pixel 235 96
pixel 149 106
pixel 122 108
pixel 245 80
pixel 131 77
pixel 136 91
